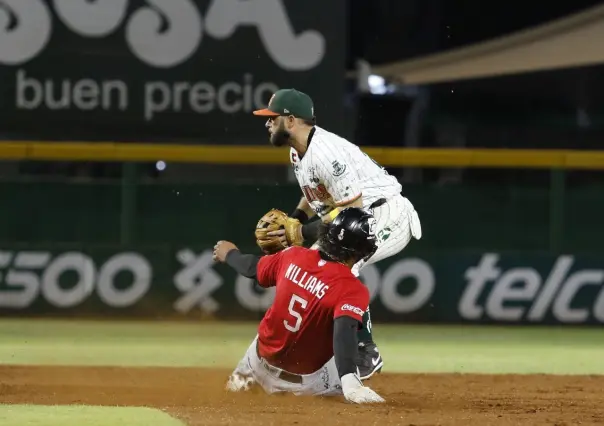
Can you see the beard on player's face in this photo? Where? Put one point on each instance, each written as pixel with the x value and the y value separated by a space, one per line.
pixel 279 134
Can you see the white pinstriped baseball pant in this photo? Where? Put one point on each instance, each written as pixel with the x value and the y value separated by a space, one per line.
pixel 397 223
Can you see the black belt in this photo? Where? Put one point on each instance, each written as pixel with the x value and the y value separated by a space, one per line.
pixel 378 203
pixel 283 375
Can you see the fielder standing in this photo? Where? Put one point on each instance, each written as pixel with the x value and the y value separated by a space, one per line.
pixel 333 174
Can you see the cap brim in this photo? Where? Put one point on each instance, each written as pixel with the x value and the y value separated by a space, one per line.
pixel 266 113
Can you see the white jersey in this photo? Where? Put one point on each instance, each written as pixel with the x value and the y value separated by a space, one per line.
pixel 334 172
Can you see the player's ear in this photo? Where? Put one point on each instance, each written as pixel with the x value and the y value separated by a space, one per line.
pixel 292 121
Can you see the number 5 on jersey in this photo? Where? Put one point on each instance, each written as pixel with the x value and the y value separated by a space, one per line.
pixel 294 313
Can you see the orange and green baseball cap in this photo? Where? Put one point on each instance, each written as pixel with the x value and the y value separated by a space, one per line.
pixel 289 102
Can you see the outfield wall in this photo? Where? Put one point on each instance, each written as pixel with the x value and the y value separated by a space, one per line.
pixel 183 282
pixel 460 217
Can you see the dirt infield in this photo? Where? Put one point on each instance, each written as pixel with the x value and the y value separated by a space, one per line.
pixel 196 396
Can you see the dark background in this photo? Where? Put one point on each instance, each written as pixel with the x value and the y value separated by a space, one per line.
pixel 553 109
pixel 564 107
pixel 550 109
pixel 383 31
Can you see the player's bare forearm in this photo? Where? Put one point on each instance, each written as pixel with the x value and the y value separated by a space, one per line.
pixel 311 230
pixel 358 202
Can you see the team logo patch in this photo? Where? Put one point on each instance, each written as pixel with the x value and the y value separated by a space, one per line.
pixel 338 169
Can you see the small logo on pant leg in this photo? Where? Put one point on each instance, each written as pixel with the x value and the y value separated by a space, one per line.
pixel 325 377
pixel 384 234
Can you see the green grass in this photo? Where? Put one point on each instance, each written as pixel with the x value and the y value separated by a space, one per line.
pixel 122 343
pixel 78 415
pixel 405 348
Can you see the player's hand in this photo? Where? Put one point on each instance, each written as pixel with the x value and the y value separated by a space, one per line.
pixel 355 392
pixel 363 395
pixel 281 235
pixel 221 249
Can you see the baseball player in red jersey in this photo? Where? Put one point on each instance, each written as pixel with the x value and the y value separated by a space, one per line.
pixel 307 340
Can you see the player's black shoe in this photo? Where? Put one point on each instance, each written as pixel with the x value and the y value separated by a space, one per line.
pixel 369 360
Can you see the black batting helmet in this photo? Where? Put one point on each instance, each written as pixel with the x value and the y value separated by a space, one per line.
pixel 350 235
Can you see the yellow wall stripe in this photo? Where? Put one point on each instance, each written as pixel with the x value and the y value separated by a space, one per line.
pixel 243 154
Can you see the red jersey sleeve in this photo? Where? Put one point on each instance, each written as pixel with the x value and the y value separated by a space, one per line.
pixel 354 303
pixel 268 268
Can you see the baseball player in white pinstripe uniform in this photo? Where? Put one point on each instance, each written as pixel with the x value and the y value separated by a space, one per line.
pixel 333 173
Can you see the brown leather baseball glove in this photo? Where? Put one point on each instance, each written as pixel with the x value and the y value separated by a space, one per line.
pixel 274 220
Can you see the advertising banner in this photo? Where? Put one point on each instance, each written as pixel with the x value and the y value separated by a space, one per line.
pixel 164 69
pixel 163 282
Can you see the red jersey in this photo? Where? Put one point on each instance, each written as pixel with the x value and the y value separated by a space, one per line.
pixel 296 333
